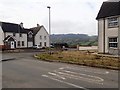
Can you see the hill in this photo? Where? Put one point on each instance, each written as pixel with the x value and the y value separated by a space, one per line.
pixel 74 39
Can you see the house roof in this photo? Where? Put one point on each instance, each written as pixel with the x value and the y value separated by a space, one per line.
pixel 109 9
pixel 28 30
pixel 9 37
pixel 36 29
pixel 11 27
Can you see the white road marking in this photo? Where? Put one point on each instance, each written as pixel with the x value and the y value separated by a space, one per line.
pixel 106 72
pixel 79 77
pixel 61 68
pixel 76 86
pixel 54 74
pixel 90 76
pixel 83 69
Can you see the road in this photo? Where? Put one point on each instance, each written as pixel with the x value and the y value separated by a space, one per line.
pixel 27 72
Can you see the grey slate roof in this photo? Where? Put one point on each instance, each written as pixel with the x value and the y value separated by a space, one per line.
pixel 36 29
pixel 11 27
pixel 109 9
pixel 28 30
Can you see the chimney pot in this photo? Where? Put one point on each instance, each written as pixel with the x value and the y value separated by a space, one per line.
pixel 21 24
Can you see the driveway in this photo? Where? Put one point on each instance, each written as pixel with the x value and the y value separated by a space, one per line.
pixel 27 72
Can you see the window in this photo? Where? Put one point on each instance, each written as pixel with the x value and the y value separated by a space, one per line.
pixel 30 35
pixel 40 37
pixel 14 34
pixel 45 37
pixel 45 44
pixel 40 44
pixel 23 43
pixel 113 42
pixel 112 22
pixel 18 43
pixel 20 35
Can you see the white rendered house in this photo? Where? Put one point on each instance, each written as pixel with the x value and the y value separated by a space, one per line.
pixel 109 28
pixel 14 36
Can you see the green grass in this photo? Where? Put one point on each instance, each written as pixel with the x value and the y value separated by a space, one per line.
pixel 81 58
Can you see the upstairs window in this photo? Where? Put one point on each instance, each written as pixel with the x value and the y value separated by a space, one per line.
pixel 20 35
pixel 113 22
pixel 14 34
pixel 30 35
pixel 45 37
pixel 40 37
pixel 113 42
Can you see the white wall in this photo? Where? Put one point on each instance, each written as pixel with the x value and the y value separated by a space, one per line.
pixel 8 34
pixel 100 35
pixel 30 44
pixel 23 38
pixel 1 36
pixel 42 32
pixel 109 32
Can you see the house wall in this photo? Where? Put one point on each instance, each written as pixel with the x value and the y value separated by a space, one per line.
pixel 109 32
pixel 100 36
pixel 42 32
pixel 8 34
pixel 1 36
pixel 30 44
pixel 119 37
pixel 23 38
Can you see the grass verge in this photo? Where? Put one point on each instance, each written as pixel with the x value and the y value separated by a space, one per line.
pixel 81 58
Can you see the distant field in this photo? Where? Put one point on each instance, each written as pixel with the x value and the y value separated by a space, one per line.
pixel 81 58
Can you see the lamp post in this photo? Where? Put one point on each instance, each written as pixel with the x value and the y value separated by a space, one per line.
pixel 49 28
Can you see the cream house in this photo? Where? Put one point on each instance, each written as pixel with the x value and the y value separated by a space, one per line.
pixel 109 28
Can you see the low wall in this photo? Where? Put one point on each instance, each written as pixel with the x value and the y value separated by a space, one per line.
pixel 88 48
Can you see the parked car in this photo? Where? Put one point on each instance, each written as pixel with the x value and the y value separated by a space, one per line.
pixel 36 47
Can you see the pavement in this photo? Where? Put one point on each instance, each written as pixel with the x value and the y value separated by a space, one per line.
pixel 27 72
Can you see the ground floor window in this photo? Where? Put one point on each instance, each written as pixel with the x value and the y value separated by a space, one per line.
pixel 45 44
pixel 113 42
pixel 23 43
pixel 40 44
pixel 18 43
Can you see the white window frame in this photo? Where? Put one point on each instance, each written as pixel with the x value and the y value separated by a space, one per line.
pixel 112 42
pixel 113 22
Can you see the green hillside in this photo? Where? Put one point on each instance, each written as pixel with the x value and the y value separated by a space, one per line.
pixel 74 39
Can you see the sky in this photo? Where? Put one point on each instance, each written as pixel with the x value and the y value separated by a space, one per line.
pixel 67 16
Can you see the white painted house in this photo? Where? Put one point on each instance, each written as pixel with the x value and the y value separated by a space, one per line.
pixel 109 28
pixel 12 36
pixel 41 36
pixel 16 36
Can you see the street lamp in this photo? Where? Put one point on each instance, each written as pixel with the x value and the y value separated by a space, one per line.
pixel 49 20
pixel 49 28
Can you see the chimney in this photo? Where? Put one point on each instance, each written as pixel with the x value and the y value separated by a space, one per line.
pixel 21 24
pixel 38 25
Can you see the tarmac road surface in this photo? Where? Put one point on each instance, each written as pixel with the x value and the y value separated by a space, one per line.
pixel 27 72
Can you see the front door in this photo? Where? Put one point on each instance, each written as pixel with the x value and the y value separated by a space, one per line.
pixel 12 45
